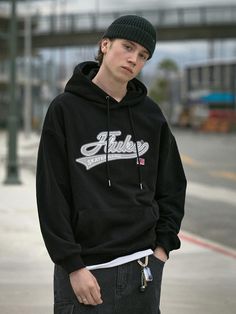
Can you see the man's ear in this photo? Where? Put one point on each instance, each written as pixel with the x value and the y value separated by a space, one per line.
pixel 104 45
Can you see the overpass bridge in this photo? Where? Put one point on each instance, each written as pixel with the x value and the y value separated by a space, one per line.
pixel 192 23
pixel 172 24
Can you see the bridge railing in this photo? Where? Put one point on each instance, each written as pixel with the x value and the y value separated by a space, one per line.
pixel 159 18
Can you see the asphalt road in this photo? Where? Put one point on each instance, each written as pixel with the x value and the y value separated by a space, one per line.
pixel 210 165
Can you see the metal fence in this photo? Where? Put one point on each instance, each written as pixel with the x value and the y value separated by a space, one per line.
pixel 177 17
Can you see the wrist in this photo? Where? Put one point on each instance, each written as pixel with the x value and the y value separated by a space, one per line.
pixel 77 271
pixel 160 253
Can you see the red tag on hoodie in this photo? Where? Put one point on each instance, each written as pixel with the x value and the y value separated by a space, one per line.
pixel 141 161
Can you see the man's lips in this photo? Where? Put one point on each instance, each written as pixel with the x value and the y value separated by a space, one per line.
pixel 128 69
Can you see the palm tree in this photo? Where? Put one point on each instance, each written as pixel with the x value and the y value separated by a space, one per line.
pixel 162 89
pixel 168 66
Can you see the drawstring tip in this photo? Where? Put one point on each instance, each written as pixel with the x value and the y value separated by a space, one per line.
pixel 109 183
pixel 141 186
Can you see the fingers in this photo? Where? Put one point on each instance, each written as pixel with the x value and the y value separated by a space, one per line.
pixel 86 287
pixel 90 299
pixel 87 300
pixel 91 296
pixel 95 293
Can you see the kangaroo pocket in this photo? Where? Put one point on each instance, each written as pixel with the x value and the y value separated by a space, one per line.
pixel 116 228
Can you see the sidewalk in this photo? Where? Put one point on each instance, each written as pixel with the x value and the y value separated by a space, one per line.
pixel 25 268
pixel 198 278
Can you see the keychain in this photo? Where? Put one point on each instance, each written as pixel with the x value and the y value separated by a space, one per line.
pixel 146 274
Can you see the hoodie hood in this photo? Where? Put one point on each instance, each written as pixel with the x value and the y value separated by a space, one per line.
pixel 81 84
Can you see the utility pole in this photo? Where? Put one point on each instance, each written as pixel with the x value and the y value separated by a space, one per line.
pixel 27 89
pixel 12 163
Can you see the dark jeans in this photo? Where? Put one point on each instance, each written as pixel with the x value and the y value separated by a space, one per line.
pixel 119 288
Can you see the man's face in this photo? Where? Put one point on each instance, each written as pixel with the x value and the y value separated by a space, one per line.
pixel 123 59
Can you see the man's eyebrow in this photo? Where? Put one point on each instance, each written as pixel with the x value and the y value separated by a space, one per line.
pixel 133 44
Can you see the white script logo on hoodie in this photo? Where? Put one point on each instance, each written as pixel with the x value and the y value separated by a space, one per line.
pixel 117 149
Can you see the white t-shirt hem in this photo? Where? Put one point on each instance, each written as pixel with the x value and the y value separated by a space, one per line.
pixel 122 260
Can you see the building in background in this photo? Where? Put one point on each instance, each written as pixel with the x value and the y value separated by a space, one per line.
pixel 209 93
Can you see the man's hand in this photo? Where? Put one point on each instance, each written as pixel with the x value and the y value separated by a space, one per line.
pixel 85 287
pixel 160 253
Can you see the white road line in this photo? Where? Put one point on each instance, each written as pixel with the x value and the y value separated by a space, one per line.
pixel 212 193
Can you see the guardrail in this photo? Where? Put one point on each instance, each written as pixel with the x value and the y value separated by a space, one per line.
pixel 178 17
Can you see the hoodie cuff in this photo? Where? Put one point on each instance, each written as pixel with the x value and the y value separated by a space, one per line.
pixel 168 241
pixel 72 263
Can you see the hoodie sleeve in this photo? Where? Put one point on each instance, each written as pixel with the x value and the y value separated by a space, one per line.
pixel 170 193
pixel 54 194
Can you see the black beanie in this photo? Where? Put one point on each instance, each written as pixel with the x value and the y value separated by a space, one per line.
pixel 134 28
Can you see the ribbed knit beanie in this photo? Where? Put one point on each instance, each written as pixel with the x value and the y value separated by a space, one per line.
pixel 134 28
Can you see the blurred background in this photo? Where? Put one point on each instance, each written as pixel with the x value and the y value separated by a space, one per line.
pixel 192 76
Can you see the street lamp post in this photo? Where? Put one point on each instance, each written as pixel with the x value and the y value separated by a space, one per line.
pixel 12 176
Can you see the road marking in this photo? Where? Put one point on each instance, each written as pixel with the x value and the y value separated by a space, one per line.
pixel 224 174
pixel 190 161
pixel 222 249
pixel 211 193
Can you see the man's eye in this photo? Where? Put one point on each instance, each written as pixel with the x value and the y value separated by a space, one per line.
pixel 144 57
pixel 128 47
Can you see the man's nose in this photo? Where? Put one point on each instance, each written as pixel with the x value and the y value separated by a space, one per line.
pixel 133 58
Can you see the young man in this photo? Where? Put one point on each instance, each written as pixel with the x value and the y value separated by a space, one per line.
pixel 110 183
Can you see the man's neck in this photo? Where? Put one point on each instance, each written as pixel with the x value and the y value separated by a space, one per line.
pixel 114 89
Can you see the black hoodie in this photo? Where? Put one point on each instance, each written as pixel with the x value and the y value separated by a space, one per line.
pixel 110 181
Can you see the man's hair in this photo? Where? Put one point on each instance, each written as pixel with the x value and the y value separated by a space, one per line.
pixel 99 56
